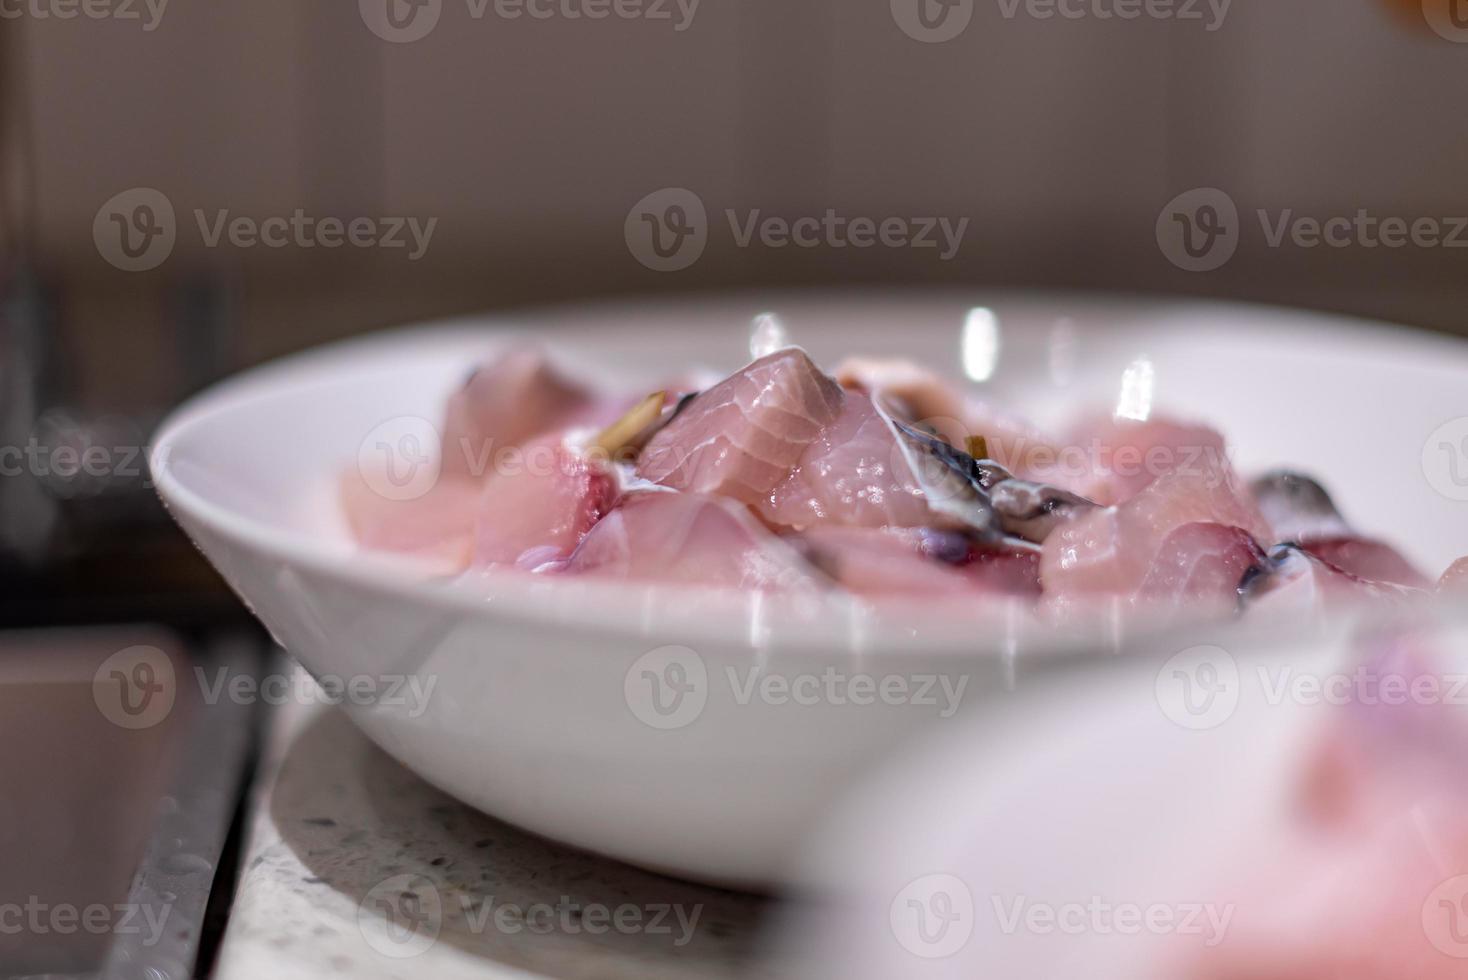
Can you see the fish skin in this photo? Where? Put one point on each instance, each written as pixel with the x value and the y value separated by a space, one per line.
pixel 1301 511
pixel 1300 583
pixel 1298 507
pixel 1109 551
pixel 691 539
pixel 742 437
pixel 852 474
pixel 1365 558
pixel 539 512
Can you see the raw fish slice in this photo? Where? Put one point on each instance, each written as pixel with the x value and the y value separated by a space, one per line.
pixel 1110 460
pixel 1201 567
pixel 437 527
pixel 1455 579
pixel 1008 572
pixel 852 474
pixel 1412 736
pixel 917 561
pixel 1111 550
pixel 922 394
pixel 537 512
pixel 507 402
pixel 742 437
pixel 1364 558
pixel 868 561
pixel 690 539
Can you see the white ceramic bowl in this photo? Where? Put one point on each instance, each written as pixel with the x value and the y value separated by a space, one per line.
pixel 542 707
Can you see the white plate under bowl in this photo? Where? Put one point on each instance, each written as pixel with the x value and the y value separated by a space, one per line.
pixel 542 706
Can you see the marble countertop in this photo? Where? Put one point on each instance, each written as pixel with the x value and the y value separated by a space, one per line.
pixel 354 866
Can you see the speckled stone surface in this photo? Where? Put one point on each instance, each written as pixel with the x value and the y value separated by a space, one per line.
pixel 354 867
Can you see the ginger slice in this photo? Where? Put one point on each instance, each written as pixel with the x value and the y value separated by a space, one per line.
pixel 624 433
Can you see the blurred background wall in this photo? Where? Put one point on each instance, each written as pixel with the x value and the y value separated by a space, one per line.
pixel 529 140
pixel 526 141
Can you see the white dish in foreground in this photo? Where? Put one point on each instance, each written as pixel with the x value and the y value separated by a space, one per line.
pixel 620 718
pixel 1206 814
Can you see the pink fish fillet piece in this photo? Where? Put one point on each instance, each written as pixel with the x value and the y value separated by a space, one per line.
pixel 1350 906
pixel 506 402
pixel 1111 460
pixel 690 539
pixel 1455 579
pixel 923 394
pixel 1111 550
pixel 536 512
pixel 743 436
pixel 1361 881
pixel 437 527
pixel 852 474
pixel 1199 568
pixel 917 561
